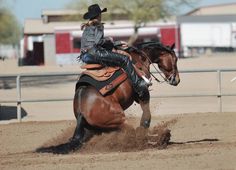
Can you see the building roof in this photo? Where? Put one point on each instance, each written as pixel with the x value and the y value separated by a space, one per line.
pixel 37 26
pixel 62 12
pixel 206 19
pixel 59 12
pixel 221 9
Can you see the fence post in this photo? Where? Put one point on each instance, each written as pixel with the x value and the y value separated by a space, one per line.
pixel 219 90
pixel 18 88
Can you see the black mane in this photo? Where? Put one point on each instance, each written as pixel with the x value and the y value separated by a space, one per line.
pixel 153 44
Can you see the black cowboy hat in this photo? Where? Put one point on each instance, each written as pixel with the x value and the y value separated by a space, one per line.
pixel 93 11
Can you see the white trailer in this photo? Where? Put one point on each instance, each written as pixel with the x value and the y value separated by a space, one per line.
pixel 207 35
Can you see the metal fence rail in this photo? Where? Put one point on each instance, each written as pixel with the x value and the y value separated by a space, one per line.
pixel 19 99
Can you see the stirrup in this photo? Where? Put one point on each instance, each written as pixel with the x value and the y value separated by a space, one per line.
pixel 148 81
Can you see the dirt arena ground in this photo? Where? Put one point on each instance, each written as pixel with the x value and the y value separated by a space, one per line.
pixel 198 141
pixel 201 138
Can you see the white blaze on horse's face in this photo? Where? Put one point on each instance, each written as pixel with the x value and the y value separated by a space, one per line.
pixel 168 65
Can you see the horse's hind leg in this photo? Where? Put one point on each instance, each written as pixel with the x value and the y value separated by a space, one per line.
pixel 83 131
pixel 79 130
pixel 109 116
pixel 74 143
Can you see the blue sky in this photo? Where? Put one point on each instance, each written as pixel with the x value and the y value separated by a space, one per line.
pixel 32 8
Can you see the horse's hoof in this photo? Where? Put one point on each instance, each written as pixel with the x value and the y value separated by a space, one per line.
pixel 146 123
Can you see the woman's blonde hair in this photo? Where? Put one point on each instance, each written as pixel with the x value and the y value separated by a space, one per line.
pixel 91 22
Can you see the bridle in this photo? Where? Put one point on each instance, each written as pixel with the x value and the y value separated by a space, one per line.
pixel 170 78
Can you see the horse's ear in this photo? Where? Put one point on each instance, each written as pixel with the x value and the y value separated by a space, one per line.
pixel 172 46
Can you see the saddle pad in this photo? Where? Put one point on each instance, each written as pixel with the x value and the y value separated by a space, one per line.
pixel 103 86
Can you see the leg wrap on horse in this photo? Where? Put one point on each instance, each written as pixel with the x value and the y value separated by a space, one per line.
pixel 110 58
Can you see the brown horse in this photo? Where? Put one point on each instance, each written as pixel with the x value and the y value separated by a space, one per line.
pixel 97 113
pixel 94 111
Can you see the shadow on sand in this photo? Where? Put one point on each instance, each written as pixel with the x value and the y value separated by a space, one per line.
pixel 194 141
pixel 10 112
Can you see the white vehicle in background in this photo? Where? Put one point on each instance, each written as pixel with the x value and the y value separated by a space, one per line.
pixel 202 37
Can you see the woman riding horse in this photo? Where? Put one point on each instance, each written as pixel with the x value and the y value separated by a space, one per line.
pixel 97 113
pixel 97 49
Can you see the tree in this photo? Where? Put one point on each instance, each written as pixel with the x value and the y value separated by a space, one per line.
pixel 9 27
pixel 139 11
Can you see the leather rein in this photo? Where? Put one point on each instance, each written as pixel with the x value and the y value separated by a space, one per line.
pixel 151 63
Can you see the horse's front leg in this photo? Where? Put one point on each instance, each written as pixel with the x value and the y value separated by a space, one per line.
pixel 146 116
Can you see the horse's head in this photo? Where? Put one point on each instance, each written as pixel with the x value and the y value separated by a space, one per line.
pixel 165 58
